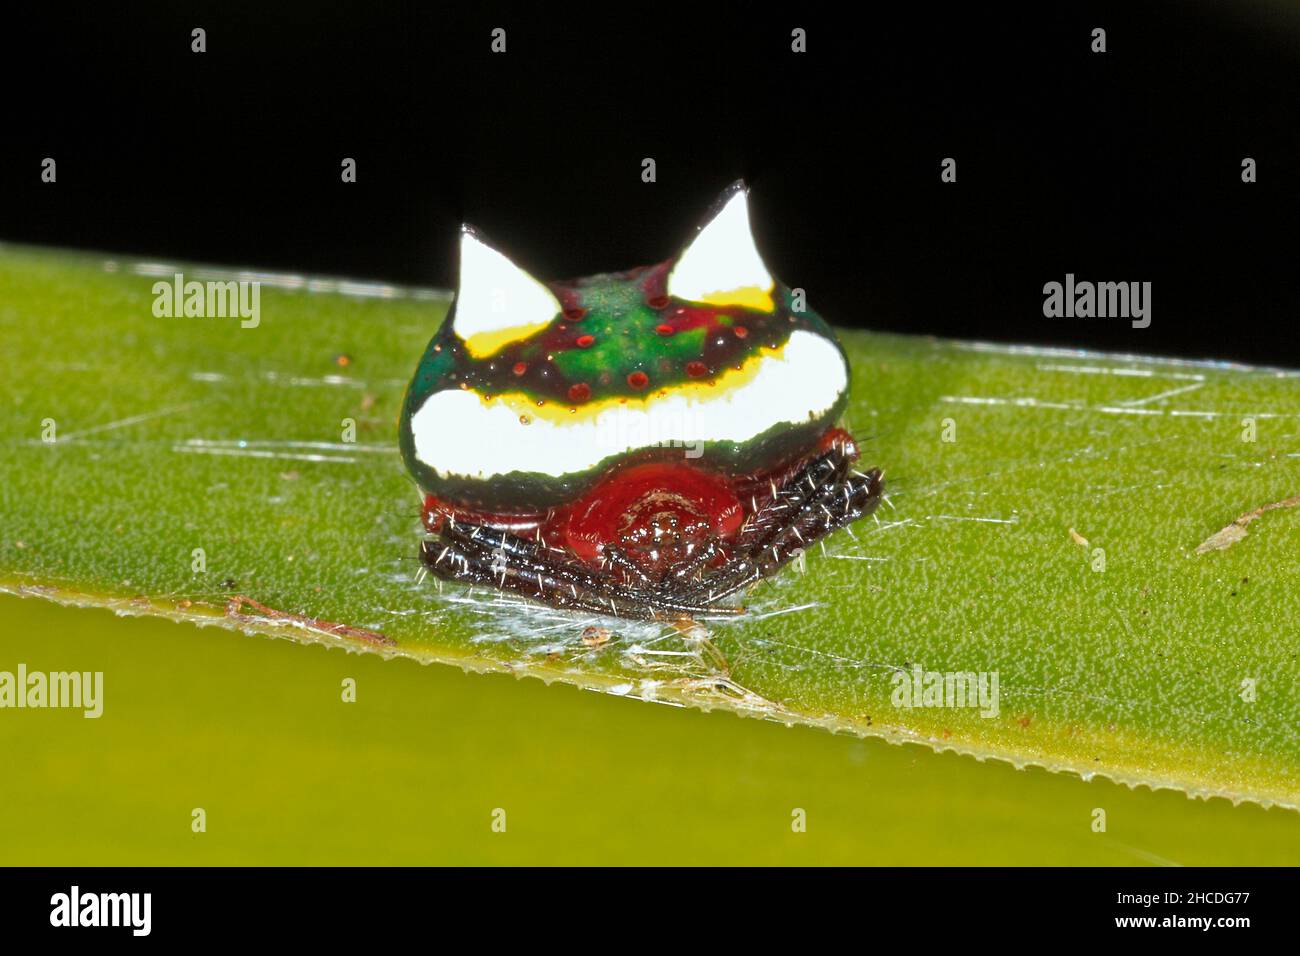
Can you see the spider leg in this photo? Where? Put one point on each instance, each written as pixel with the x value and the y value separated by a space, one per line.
pixel 684 571
pixel 513 556
pixel 773 516
pixel 776 515
pixel 831 509
pixel 480 555
pixel 767 522
pixel 452 561
pixel 820 498
pixel 501 543
pixel 616 557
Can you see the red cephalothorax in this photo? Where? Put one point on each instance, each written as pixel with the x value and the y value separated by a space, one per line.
pixel 655 514
pixel 647 529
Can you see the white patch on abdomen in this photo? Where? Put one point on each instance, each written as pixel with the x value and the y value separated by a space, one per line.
pixel 457 433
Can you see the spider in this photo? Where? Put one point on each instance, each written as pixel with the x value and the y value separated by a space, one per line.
pixel 643 444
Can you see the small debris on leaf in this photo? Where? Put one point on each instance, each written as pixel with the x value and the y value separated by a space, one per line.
pixel 1226 537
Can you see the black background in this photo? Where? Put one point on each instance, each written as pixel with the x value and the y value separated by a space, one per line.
pixel 345 908
pixel 1119 166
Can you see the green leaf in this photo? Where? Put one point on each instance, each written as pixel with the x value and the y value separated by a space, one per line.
pixel 1070 539
pixel 255 733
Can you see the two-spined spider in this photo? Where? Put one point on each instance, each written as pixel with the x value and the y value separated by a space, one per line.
pixel 643 443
